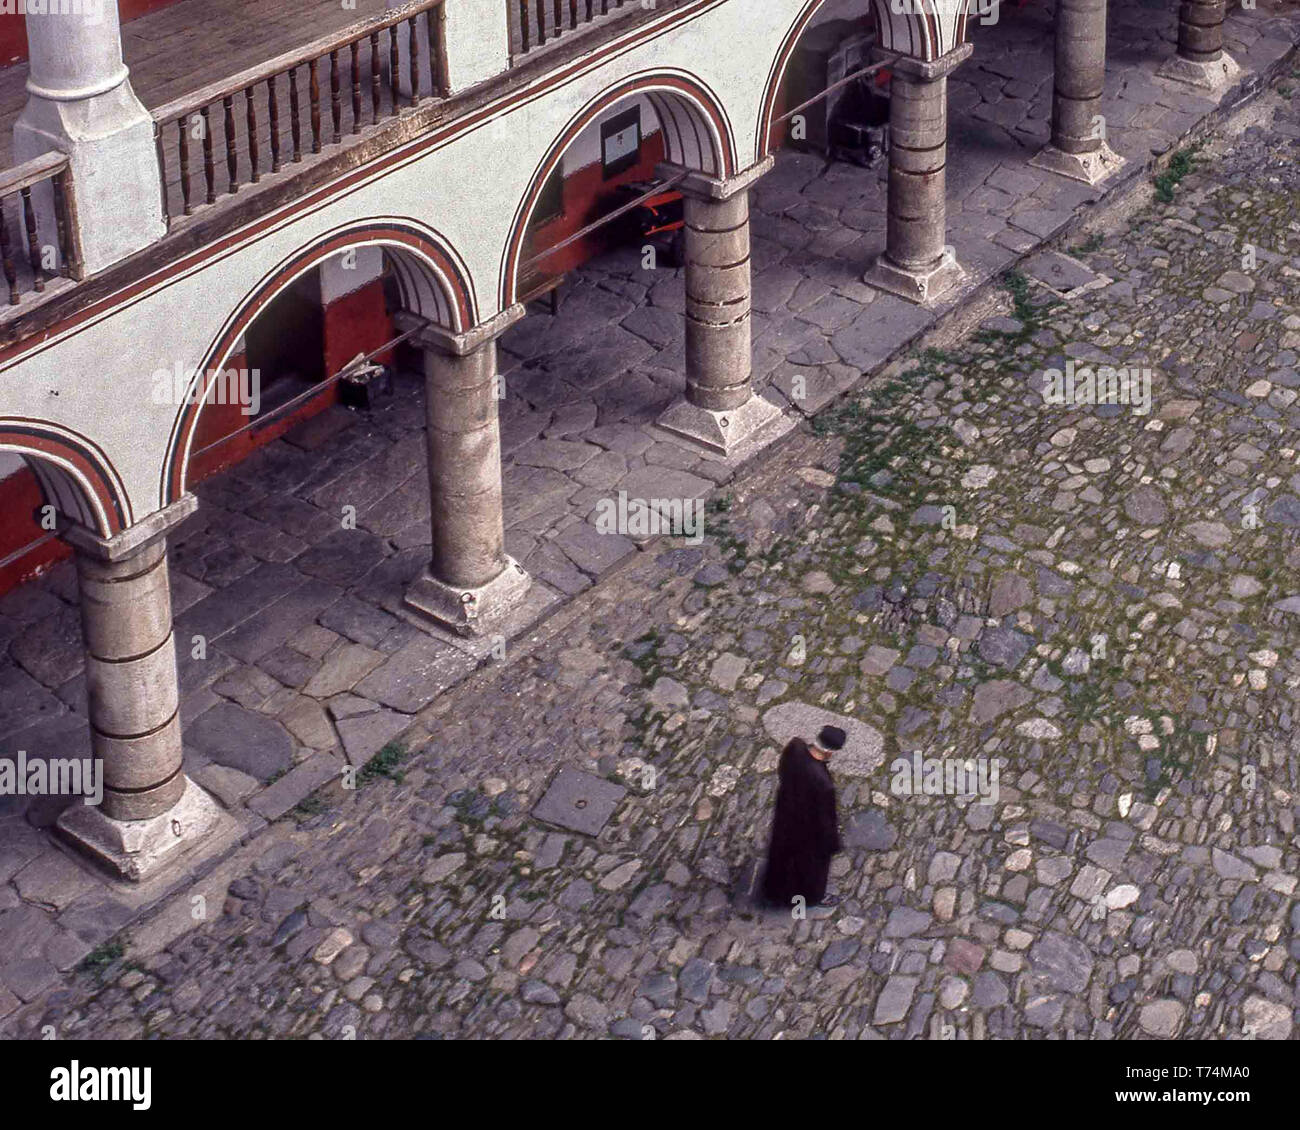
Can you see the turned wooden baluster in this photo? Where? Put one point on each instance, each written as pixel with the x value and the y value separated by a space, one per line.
pixel 356 86
pixel 431 25
pixel 162 171
pixel 525 20
pixel 414 40
pixel 559 17
pixel 376 86
pixel 273 107
pixel 71 260
pixel 394 68
pixel 232 149
pixel 10 272
pixel 33 241
pixel 313 78
pixel 336 98
pixel 295 114
pixel 254 147
pixel 186 191
pixel 541 22
pixel 209 162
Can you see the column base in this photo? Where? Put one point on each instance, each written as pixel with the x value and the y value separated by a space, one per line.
pixel 139 849
pixel 725 432
pixel 920 287
pixel 1222 72
pixel 469 611
pixel 1090 168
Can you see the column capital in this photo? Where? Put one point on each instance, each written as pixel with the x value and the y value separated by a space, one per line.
pixel 130 541
pixel 713 189
pixel 458 343
pixel 927 71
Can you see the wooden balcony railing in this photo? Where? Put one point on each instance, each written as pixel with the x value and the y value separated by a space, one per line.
pixel 535 23
pixel 40 226
pixel 373 69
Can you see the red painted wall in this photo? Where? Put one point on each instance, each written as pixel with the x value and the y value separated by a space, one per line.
pixel 357 323
pixel 20 497
pixel 587 197
pixel 13 34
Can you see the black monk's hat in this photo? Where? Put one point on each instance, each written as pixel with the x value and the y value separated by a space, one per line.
pixel 831 737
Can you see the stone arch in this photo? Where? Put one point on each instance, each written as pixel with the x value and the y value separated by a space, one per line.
pixel 922 29
pixel 766 132
pixel 432 280
pixel 74 474
pixel 697 135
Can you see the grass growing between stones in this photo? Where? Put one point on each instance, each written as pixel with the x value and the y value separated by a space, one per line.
pixel 1180 165
pixel 104 955
pixel 385 764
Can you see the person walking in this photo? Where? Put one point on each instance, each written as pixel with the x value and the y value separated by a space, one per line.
pixel 805 829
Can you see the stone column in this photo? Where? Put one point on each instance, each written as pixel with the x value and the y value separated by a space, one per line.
pixel 80 102
pixel 1078 148
pixel 150 810
pixel 720 410
pixel 1201 60
pixel 917 263
pixel 470 584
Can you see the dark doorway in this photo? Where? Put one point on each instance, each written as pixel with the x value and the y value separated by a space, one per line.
pixel 286 342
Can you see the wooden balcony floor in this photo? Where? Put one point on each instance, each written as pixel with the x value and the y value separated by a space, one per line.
pixel 188 45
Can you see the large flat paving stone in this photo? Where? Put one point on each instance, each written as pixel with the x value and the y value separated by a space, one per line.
pixel 242 739
pixel 864 749
pixel 414 676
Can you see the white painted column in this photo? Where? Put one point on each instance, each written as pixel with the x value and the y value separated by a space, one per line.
pixel 719 411
pixel 150 810
pixel 1078 148
pixel 471 584
pixel 80 102
pixel 1201 60
pixel 917 263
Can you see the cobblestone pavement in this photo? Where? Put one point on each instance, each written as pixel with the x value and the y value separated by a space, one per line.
pixel 296 659
pixel 1100 598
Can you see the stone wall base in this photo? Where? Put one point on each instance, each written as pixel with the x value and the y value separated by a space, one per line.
pixel 921 287
pixel 1217 75
pixel 470 611
pixel 139 849
pixel 726 432
pixel 1090 168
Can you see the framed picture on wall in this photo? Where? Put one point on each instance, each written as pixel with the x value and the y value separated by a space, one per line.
pixel 620 142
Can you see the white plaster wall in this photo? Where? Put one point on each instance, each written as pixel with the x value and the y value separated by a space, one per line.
pixel 585 149
pixel 841 10
pixel 337 280
pixel 98 378
pixel 478 41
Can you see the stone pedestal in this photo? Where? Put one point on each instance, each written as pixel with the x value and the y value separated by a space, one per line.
pixel 80 102
pixel 470 584
pixel 150 811
pixel 720 411
pixel 1201 60
pixel 1078 148
pixel 917 263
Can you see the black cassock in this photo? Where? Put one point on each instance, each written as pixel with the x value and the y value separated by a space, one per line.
pixel 805 832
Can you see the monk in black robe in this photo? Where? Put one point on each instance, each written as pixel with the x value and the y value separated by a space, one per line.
pixel 805 831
